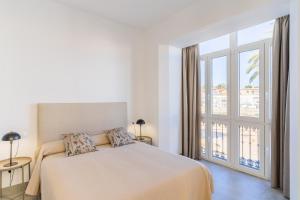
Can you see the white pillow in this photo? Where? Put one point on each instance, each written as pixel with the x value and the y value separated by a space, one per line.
pixel 100 139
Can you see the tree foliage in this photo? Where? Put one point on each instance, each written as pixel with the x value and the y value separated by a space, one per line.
pixel 221 86
pixel 253 67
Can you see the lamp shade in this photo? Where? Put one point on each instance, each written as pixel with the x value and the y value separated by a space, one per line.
pixel 140 122
pixel 11 136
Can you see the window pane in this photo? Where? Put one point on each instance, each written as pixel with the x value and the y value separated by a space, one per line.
pixel 219 139
pixel 214 45
pixel 219 86
pixel 249 83
pixel 256 33
pixel 249 147
pixel 203 134
pixel 203 92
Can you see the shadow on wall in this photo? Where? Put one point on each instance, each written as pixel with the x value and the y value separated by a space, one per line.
pixel 147 130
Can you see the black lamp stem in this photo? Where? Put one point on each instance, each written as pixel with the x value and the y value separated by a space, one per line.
pixel 10 158
pixel 140 131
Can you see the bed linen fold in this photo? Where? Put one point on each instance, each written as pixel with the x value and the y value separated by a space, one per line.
pixel 45 150
pixel 132 172
pixel 51 148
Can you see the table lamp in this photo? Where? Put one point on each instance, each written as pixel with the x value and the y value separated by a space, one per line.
pixel 11 136
pixel 140 122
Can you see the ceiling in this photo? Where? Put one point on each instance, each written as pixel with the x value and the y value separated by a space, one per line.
pixel 138 13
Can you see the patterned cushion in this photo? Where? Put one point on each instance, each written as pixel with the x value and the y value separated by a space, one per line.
pixel 118 137
pixel 78 143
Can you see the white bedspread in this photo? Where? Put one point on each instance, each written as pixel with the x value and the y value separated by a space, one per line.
pixel 132 172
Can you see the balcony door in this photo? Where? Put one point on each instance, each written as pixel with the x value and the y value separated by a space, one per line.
pixel 234 89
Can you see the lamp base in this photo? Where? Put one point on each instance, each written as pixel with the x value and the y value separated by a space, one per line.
pixel 10 165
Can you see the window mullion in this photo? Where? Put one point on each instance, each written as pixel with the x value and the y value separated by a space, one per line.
pixel 234 97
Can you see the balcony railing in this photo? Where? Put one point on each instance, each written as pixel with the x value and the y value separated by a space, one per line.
pixel 219 139
pixel 249 147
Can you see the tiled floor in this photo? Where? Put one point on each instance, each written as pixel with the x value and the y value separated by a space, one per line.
pixel 233 185
pixel 16 193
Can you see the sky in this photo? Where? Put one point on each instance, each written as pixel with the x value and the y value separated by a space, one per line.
pixel 245 36
pixel 244 64
pixel 219 71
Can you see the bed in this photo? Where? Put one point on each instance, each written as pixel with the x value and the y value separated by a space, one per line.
pixel 132 172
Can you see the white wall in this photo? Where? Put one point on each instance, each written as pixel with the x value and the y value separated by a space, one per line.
pixel 207 19
pixel 175 145
pixel 163 98
pixel 169 98
pixel 199 22
pixel 295 99
pixel 52 53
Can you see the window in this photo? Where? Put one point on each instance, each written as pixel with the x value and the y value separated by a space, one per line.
pixel 249 83
pixel 256 33
pixel 219 86
pixel 219 141
pixel 214 45
pixel 235 81
pixel 249 147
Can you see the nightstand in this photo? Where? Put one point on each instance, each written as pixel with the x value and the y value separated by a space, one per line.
pixel 144 139
pixel 22 163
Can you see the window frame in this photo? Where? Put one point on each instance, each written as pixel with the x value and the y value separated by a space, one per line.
pixel 232 119
pixel 236 78
pixel 208 117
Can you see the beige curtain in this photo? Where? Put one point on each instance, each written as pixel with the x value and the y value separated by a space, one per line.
pixel 190 100
pixel 280 173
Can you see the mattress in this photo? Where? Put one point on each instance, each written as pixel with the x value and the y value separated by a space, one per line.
pixel 131 172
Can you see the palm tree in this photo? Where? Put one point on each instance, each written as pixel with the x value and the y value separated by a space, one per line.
pixel 253 67
pixel 248 86
pixel 221 86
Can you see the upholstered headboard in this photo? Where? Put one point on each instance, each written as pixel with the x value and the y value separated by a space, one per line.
pixel 55 119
